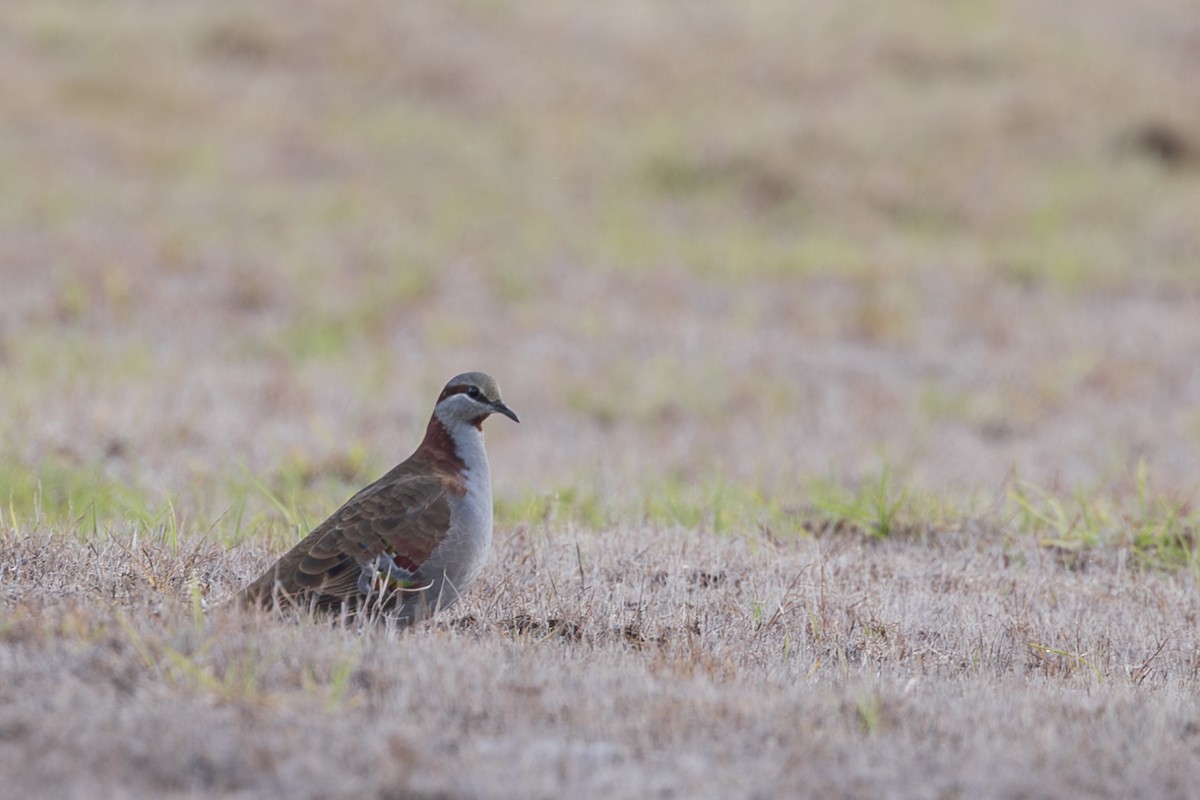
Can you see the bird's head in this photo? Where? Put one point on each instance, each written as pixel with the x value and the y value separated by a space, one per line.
pixel 471 398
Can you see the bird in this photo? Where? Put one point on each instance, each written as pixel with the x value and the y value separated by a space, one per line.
pixel 409 544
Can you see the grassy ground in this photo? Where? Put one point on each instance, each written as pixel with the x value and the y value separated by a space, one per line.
pixel 854 348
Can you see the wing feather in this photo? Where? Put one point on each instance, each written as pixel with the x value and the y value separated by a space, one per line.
pixel 403 516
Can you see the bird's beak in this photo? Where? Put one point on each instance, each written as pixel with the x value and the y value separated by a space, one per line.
pixel 500 408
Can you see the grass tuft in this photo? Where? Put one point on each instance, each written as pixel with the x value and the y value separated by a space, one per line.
pixel 875 506
pixel 1159 529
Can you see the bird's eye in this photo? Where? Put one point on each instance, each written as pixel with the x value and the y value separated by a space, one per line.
pixel 473 392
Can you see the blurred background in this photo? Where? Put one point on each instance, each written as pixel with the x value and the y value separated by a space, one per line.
pixel 731 243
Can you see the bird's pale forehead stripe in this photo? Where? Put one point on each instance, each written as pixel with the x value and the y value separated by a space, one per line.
pixel 460 384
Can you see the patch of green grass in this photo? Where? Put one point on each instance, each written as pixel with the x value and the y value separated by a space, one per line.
pixel 320 337
pixel 82 500
pixel 70 354
pixel 58 492
pixel 1079 225
pixel 747 252
pixel 659 388
pixel 391 280
pixel 278 505
pixel 1162 531
pixel 868 713
pixel 713 504
pixel 939 402
pixel 1057 521
pixel 747 248
pixel 876 506
pixel 573 505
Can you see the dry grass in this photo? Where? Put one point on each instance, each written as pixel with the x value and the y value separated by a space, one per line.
pixel 854 347
pixel 638 662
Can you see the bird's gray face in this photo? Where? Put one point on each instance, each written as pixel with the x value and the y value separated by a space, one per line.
pixel 471 398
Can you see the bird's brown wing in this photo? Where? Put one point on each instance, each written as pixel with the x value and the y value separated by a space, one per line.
pixel 403 515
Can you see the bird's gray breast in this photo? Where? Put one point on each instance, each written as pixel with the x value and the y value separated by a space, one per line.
pixel 465 549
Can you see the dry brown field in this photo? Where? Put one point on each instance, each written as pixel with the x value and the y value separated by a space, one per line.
pixel 855 347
